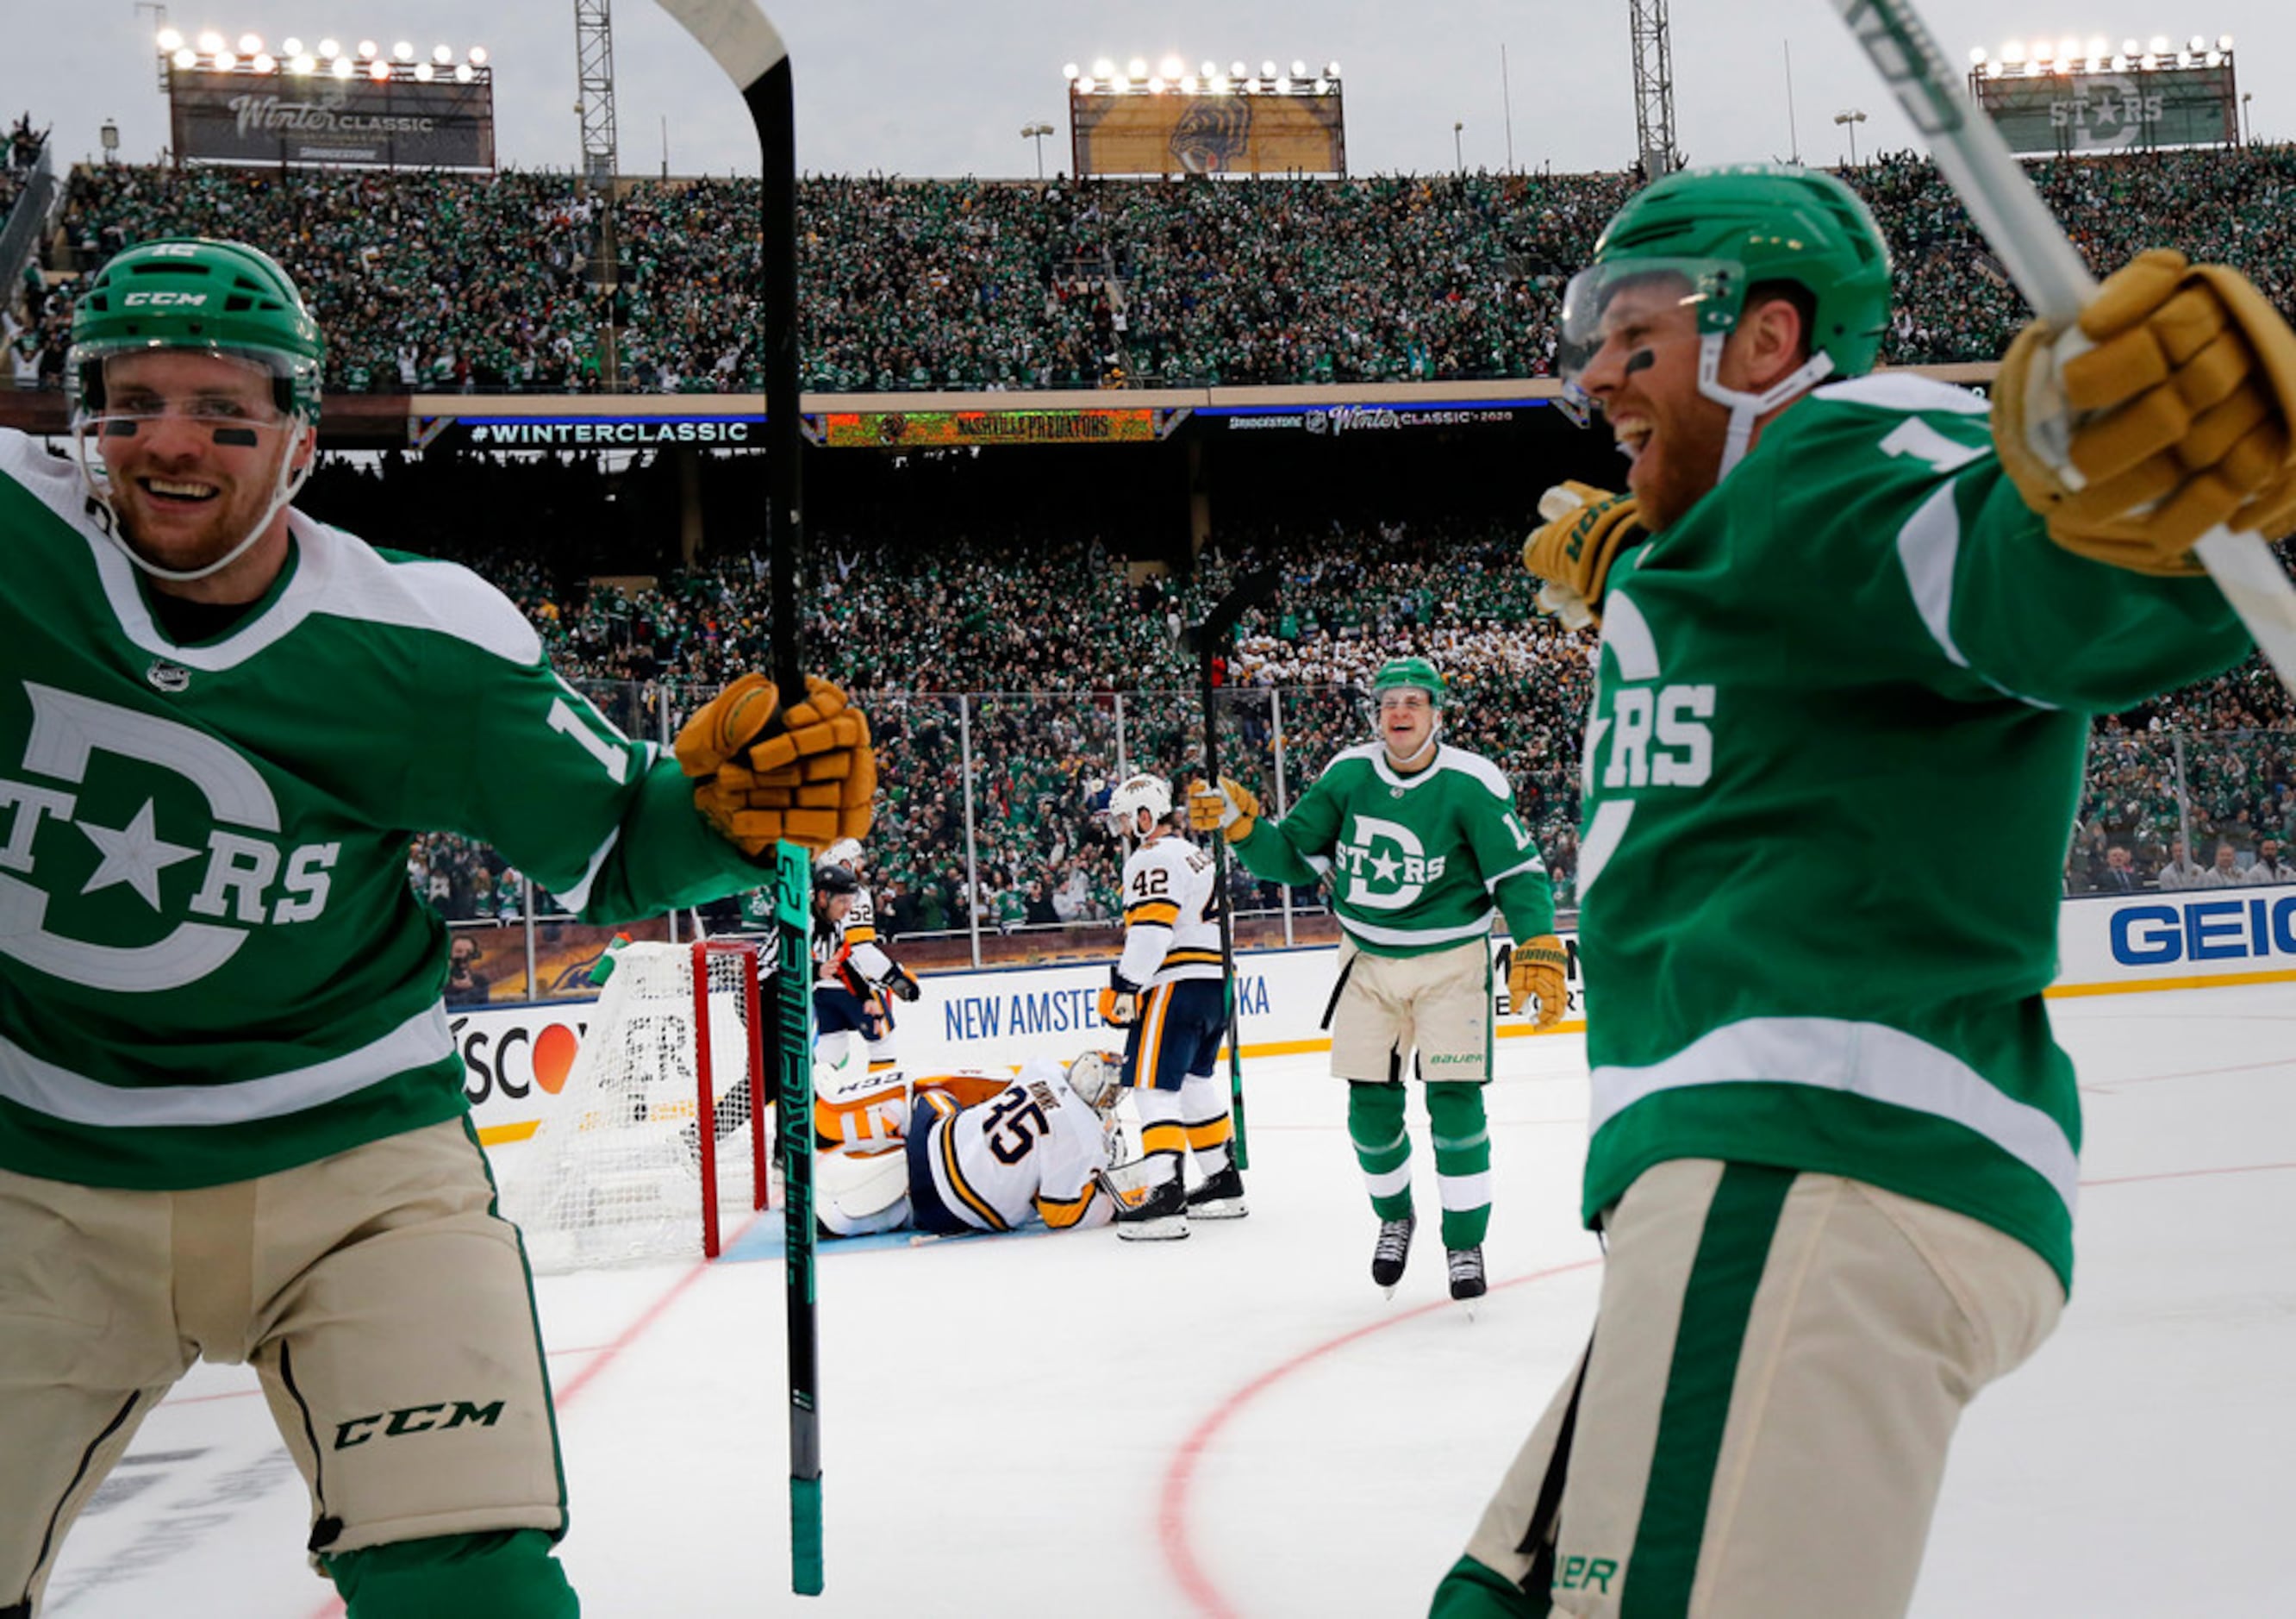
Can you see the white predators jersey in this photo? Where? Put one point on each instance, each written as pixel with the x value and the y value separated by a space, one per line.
pixel 861 942
pixel 1034 1148
pixel 1171 914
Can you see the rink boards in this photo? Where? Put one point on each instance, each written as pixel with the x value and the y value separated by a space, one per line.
pixel 516 1057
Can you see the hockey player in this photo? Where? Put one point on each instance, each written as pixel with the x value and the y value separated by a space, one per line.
pixel 1167 990
pixel 968 1151
pixel 866 950
pixel 1834 1150
pixel 231 1121
pixel 844 1002
pixel 1419 839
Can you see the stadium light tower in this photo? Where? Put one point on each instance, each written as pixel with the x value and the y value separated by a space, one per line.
pixel 1851 118
pixel 1654 89
pixel 159 26
pixel 1037 132
pixel 593 58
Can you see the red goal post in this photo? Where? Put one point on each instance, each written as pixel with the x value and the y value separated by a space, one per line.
pixel 744 954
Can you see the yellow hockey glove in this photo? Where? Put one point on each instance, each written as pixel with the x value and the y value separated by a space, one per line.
pixel 2166 412
pixel 1231 807
pixel 1536 969
pixel 763 773
pixel 1585 531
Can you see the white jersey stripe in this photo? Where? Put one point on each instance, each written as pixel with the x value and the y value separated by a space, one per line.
pixel 1379 934
pixel 1863 1059
pixel 47 1087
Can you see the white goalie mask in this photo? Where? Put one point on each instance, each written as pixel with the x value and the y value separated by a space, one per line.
pixel 1134 795
pixel 1097 1077
pixel 845 852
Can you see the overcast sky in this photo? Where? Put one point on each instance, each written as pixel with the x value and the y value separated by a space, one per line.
pixel 928 87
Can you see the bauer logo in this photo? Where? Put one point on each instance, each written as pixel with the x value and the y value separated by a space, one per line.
pixel 2205 929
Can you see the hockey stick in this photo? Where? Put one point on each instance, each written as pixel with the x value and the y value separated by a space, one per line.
pixel 737 34
pixel 1210 638
pixel 2019 228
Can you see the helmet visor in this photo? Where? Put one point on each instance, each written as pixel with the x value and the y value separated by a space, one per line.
pixel 237 406
pixel 1640 303
pixel 93 378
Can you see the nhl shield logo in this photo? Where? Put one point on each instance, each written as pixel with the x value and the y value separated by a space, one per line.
pixel 169 677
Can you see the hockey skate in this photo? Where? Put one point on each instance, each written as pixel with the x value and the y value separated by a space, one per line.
pixel 1467 1283
pixel 1161 1215
pixel 1220 1198
pixel 1393 1248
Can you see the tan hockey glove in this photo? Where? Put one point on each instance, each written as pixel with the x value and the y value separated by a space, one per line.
pixel 1536 969
pixel 1231 807
pixel 1585 531
pixel 763 773
pixel 2166 413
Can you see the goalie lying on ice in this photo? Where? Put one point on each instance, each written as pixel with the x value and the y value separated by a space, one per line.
pixel 946 1154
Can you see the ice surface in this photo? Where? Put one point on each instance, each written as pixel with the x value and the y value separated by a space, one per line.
pixel 1240 1425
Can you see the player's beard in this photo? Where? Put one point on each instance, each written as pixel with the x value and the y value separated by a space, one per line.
pixel 186 535
pixel 1681 462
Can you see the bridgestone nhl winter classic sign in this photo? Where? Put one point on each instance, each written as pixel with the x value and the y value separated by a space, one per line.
pixel 398 122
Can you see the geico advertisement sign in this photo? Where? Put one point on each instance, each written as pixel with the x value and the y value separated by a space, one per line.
pixel 2202 931
pixel 512 1057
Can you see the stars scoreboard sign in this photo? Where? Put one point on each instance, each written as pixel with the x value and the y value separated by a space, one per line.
pixel 2112 104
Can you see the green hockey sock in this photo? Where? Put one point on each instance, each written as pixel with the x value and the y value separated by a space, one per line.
pixel 1383 1149
pixel 1462 1160
pixel 506 1574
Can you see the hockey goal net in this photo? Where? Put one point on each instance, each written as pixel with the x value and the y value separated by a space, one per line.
pixel 658 1137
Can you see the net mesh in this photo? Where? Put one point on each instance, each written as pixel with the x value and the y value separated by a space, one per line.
pixel 614 1172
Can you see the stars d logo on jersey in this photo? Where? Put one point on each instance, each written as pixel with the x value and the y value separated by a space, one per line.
pixel 1386 865
pixel 248 878
pixel 1640 734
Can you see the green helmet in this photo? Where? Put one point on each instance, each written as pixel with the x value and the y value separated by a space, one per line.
pixel 1729 229
pixel 1410 671
pixel 193 292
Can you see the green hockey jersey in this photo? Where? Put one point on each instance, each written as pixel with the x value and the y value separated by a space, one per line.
pixel 1416 862
pixel 211 965
pixel 1830 769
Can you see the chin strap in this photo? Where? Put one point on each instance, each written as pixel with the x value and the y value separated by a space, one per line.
pixel 284 487
pixel 1748 408
pixel 1426 751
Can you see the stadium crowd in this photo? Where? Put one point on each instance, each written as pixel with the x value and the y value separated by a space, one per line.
pixel 523 280
pixel 442 283
pixel 1058 702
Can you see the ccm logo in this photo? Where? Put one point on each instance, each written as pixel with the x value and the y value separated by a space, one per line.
pixel 174 300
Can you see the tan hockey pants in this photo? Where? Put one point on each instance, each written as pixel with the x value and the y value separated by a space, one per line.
pixel 1778 1364
pixel 386 1309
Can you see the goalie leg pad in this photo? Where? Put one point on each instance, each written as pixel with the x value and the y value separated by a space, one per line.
pixel 855 1194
